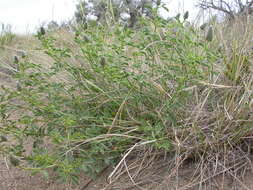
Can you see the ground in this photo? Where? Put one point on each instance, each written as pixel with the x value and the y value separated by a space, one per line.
pixel 15 179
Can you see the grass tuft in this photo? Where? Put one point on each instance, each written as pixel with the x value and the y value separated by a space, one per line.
pixel 122 91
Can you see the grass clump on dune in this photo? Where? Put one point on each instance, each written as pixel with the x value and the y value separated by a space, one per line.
pixel 6 35
pixel 161 85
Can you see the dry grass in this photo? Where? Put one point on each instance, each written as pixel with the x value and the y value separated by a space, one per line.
pixel 217 136
pixel 214 140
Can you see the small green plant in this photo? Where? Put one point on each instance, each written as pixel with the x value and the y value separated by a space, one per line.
pixel 129 86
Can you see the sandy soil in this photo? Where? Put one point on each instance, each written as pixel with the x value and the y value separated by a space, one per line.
pixel 16 179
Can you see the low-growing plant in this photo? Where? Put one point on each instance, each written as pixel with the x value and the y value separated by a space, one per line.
pixel 129 86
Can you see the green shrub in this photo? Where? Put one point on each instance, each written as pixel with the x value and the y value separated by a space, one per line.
pixel 130 86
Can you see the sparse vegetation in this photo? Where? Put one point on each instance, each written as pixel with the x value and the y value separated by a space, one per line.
pixel 164 85
pixel 231 9
pixel 126 12
pixel 6 34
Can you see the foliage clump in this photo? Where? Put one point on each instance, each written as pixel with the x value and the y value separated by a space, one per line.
pixel 158 84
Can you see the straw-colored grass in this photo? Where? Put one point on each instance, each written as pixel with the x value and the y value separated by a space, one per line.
pixel 109 94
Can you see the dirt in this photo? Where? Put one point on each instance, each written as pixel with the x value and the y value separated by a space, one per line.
pixel 15 179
